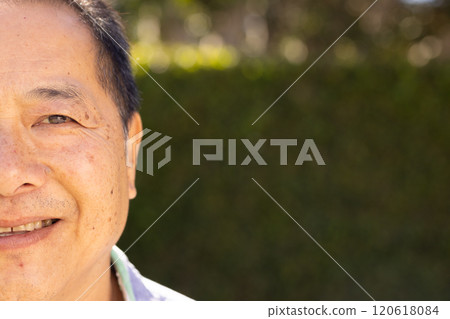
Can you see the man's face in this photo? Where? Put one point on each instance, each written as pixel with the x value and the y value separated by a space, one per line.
pixel 62 157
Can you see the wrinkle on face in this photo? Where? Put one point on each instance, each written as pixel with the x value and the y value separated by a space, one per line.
pixel 76 164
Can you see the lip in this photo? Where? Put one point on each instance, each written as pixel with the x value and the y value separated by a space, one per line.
pixel 28 239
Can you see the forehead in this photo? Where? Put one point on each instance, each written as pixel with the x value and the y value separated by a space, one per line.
pixel 42 42
pixel 42 19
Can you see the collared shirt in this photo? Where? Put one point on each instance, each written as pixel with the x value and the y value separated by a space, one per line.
pixel 136 287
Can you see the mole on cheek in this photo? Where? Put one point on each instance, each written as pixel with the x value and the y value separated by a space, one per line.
pixel 90 158
pixel 21 265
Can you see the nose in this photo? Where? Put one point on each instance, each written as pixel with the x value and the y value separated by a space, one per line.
pixel 20 170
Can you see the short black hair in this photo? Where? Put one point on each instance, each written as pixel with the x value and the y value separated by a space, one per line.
pixel 113 64
pixel 114 68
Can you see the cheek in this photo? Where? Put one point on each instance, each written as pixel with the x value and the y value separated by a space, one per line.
pixel 92 170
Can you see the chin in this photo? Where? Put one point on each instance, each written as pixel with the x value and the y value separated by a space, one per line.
pixel 25 293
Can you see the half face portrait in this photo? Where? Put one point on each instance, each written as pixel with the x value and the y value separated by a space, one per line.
pixel 68 103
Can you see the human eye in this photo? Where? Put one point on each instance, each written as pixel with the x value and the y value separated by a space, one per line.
pixel 57 119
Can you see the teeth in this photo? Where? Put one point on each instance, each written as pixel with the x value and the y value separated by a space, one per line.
pixel 19 228
pixel 46 222
pixel 7 231
pixel 38 225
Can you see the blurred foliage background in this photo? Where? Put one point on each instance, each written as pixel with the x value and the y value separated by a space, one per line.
pixel 377 107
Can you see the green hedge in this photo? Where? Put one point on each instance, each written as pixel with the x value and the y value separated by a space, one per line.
pixel 379 207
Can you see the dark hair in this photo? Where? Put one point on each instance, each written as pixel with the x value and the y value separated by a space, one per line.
pixel 113 63
pixel 114 69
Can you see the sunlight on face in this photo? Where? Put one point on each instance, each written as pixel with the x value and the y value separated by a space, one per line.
pixel 62 158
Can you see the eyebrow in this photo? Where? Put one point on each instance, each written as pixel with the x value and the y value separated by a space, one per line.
pixel 57 92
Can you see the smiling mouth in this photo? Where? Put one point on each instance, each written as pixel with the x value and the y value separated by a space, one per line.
pixel 26 228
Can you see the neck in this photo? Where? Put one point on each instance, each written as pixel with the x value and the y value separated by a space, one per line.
pixel 105 289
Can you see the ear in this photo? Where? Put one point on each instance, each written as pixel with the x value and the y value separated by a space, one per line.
pixel 134 128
